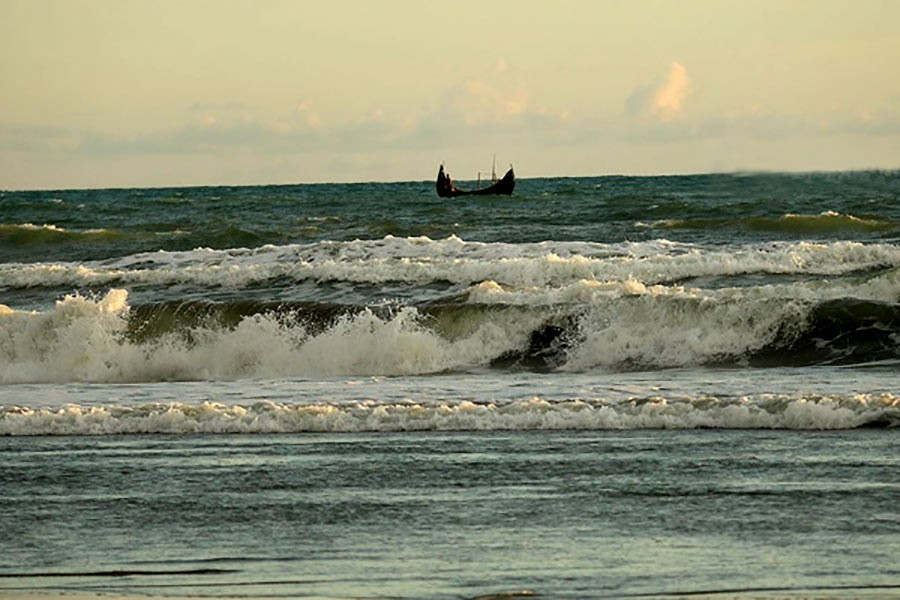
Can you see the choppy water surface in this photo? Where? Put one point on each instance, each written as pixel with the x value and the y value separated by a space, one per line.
pixel 602 386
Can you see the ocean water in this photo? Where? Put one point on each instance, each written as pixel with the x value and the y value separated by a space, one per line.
pixel 597 387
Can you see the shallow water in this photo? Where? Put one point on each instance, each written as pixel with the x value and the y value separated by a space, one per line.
pixel 453 514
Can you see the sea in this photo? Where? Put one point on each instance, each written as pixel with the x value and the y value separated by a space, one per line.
pixel 598 387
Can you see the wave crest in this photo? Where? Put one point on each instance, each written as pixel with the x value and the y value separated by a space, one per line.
pixel 422 261
pixel 614 329
pixel 764 412
pixel 93 340
pixel 827 222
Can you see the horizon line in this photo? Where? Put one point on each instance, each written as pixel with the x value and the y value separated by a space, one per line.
pixel 398 181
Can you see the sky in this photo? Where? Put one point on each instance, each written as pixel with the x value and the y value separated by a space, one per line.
pixel 146 93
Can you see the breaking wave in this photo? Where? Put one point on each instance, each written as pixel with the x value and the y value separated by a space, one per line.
pixel 763 412
pixel 424 261
pixel 588 326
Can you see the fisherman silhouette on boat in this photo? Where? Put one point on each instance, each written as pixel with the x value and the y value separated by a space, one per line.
pixel 446 188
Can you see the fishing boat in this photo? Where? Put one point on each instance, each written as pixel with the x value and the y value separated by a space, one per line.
pixel 503 186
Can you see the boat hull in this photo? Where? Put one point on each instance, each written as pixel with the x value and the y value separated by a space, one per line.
pixel 503 187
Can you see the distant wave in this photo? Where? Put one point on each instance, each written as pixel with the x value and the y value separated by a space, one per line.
pixel 423 261
pixel 762 412
pixel 25 240
pixel 825 223
pixel 29 233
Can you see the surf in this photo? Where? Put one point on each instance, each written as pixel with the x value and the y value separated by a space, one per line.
pixel 423 261
pixel 787 412
pixel 589 326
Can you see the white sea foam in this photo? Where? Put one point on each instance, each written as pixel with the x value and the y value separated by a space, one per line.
pixel 33 227
pixel 673 326
pixel 682 331
pixel 610 297
pixel 85 340
pixel 763 412
pixel 54 229
pixel 421 260
pixel 608 326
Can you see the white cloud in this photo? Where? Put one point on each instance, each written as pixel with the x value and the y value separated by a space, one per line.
pixel 477 102
pixel 664 99
pixel 668 101
pixel 501 98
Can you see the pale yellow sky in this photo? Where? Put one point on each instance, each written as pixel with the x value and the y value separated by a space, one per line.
pixel 177 92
